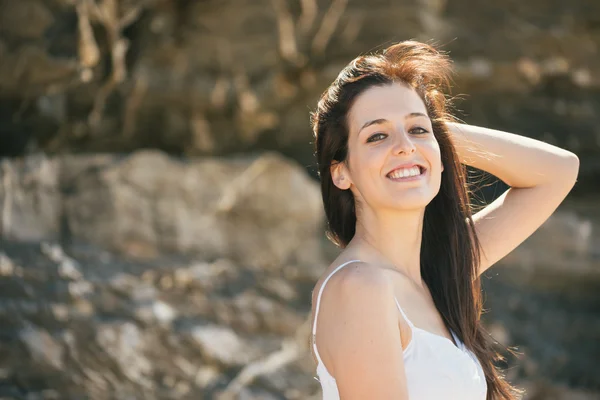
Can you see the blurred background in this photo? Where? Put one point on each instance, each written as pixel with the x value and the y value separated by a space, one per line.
pixel 161 224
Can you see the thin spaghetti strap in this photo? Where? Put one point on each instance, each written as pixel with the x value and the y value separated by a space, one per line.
pixel 403 314
pixel 314 328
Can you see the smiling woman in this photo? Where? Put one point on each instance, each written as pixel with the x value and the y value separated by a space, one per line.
pixel 400 318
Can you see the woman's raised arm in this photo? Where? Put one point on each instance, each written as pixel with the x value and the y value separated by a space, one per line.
pixel 539 174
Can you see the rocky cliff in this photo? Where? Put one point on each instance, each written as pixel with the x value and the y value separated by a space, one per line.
pixel 217 77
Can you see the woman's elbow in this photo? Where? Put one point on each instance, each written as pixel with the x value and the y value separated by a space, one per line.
pixel 572 167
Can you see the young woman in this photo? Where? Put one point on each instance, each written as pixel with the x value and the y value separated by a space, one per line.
pixel 400 316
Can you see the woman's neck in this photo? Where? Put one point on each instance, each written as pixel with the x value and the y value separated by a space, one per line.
pixel 396 236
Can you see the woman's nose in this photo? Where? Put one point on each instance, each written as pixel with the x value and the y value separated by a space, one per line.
pixel 403 143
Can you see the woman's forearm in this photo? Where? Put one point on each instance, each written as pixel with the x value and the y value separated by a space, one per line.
pixel 519 161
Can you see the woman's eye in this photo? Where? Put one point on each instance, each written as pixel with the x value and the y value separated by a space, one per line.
pixel 418 130
pixel 375 136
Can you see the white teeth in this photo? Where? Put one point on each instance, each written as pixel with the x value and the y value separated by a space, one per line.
pixel 405 172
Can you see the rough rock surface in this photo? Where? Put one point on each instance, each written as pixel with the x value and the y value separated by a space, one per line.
pixel 256 210
pixel 123 329
pixel 215 77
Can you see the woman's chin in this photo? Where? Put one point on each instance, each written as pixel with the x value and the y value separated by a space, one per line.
pixel 412 202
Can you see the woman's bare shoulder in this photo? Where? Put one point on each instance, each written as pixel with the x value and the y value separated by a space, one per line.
pixel 358 278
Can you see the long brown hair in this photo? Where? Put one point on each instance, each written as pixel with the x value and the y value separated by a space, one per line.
pixel 450 247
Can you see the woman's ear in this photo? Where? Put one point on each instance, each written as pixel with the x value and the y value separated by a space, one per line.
pixel 340 176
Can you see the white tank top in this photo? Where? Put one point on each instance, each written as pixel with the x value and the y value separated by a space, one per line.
pixel 435 367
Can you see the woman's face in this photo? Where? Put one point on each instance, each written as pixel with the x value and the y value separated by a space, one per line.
pixel 389 135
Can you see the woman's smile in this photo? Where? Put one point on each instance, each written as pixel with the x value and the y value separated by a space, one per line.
pixel 407 178
pixel 407 174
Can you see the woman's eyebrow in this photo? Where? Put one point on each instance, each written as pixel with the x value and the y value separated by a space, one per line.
pixel 373 122
pixel 383 120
